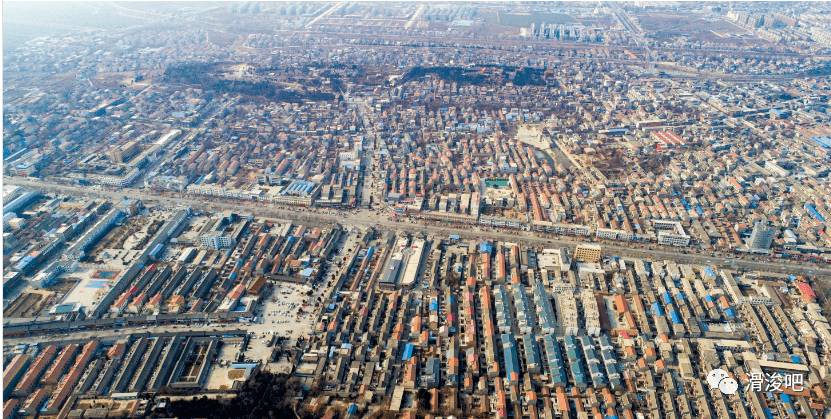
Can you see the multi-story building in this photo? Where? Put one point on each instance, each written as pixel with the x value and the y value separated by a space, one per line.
pixel 554 259
pixel 671 233
pixel 587 253
pixel 124 151
pixel 613 234
pixel 120 181
pixel 213 235
pixel 297 193
pixel 762 236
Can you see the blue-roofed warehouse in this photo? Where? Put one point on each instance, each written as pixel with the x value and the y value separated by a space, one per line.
pixel 298 188
pixel 814 213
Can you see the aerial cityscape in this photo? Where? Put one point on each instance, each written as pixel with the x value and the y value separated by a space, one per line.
pixel 588 210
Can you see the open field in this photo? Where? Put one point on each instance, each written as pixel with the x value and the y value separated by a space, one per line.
pixel 524 20
pixel 670 26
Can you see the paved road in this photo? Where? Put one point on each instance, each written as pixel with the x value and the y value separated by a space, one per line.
pixel 370 218
pixel 332 8
pixel 412 20
pixel 369 175
pixel 122 331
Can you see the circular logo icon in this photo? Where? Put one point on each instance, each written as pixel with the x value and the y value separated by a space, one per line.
pixel 718 378
pixel 728 386
pixel 715 376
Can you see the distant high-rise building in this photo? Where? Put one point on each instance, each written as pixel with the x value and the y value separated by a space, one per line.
pixel 762 236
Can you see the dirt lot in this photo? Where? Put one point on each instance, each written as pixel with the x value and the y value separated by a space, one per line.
pixel 223 377
pixel 22 305
pixel 64 284
pixel 597 21
pixel 28 304
pixel 116 80
pixel 114 239
pixel 666 27
pixel 523 20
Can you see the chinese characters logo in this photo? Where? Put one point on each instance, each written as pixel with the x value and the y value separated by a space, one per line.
pixel 775 382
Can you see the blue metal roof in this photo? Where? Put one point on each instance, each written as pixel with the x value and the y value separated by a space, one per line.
pixel 814 213
pixel 157 249
pixel 675 317
pixel 408 352
pixel 823 141
pixel 657 309
pixel 511 357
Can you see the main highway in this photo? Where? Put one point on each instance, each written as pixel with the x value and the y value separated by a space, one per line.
pixel 366 218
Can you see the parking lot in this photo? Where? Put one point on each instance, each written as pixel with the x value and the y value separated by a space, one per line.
pixel 282 314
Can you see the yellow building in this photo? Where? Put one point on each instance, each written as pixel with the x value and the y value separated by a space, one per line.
pixel 587 253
